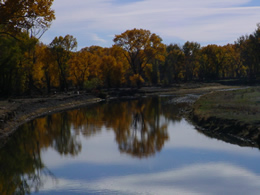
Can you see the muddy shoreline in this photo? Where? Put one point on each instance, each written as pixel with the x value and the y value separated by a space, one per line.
pixel 15 112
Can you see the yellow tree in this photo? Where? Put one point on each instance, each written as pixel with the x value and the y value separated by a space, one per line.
pixel 45 69
pixel 16 15
pixel 236 69
pixel 140 47
pixel 81 66
pixel 113 67
pixel 112 73
pixel 97 50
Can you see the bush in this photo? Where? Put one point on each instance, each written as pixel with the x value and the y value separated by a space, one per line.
pixel 92 84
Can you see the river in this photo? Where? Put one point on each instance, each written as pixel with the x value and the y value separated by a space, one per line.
pixel 141 146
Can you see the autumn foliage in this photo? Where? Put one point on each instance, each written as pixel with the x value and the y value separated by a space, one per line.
pixel 137 58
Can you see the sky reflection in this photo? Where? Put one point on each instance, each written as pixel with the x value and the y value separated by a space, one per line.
pixel 209 178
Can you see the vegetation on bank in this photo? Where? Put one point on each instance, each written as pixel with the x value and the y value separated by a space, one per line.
pixel 137 58
pixel 241 106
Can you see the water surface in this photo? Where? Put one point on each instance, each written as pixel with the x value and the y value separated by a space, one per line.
pixel 129 147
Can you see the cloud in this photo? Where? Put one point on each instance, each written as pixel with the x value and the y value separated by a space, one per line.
pixel 95 37
pixel 211 21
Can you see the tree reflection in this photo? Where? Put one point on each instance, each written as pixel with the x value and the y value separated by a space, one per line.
pixel 147 133
pixel 140 128
pixel 21 165
pixel 64 141
pixel 87 121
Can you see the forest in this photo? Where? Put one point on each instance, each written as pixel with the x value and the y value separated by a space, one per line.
pixel 137 58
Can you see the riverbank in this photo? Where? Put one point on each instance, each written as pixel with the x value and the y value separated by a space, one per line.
pixel 232 116
pixel 14 112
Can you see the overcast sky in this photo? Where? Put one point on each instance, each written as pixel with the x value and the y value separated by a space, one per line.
pixel 96 22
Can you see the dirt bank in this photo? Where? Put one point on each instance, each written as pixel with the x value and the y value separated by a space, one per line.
pixel 14 112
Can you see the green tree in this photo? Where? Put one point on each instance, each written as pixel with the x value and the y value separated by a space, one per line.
pixel 16 64
pixel 174 64
pixel 10 53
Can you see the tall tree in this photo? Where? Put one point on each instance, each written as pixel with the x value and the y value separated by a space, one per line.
pixel 249 47
pixel 61 49
pixel 141 48
pixel 191 52
pixel 233 64
pixel 10 54
pixel 174 64
pixel 45 69
pixel 216 56
pixel 16 64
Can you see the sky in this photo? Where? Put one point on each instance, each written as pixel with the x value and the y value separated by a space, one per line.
pixel 96 22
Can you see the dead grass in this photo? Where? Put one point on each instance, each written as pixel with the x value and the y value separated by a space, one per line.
pixel 240 105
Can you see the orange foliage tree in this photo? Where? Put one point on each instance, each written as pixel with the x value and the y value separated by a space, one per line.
pixel 61 48
pixel 140 47
pixel 80 67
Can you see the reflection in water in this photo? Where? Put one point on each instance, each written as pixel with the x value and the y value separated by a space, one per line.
pixel 146 133
pixel 20 159
pixel 140 128
pixel 110 148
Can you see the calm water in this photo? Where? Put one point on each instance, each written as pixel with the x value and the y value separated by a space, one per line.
pixel 129 147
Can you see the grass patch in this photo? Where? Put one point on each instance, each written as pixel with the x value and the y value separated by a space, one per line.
pixel 241 105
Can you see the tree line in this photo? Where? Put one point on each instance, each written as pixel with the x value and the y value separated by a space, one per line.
pixel 137 58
